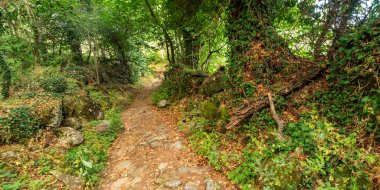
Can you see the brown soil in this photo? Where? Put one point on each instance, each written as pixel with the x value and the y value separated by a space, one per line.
pixel 152 153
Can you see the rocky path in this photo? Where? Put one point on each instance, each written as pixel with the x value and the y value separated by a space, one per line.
pixel 152 154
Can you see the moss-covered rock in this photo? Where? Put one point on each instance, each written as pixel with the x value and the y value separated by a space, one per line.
pixel 81 105
pixel 73 122
pixel 213 84
pixel 49 112
pixel 69 137
pixel 210 110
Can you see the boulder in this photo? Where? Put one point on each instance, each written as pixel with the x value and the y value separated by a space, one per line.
pixel 49 111
pixel 163 103
pixel 213 84
pixel 103 126
pixel 69 137
pixel 210 110
pixel 81 105
pixel 70 181
pixel 73 122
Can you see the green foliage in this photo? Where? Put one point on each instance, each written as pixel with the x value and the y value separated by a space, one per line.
pixel 100 99
pixel 18 125
pixel 7 178
pixel 54 84
pixel 207 146
pixel 357 58
pixel 174 87
pixel 330 161
pixel 89 159
pixel 162 93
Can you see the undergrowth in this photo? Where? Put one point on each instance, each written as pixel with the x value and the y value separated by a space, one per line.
pixel 331 132
pixel 89 159
pixel 34 169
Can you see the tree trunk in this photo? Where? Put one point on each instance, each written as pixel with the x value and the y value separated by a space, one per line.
pixel 37 41
pixel 343 26
pixel 74 41
pixel 96 62
pixel 332 10
pixel 90 49
pixel 191 57
pixel 7 76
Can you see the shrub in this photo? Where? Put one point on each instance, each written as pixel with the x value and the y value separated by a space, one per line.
pixel 54 84
pixel 161 94
pixel 20 124
pixel 100 99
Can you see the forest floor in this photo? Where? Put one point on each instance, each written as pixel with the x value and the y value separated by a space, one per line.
pixel 152 152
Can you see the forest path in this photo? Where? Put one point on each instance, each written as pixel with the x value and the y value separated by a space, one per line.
pixel 151 152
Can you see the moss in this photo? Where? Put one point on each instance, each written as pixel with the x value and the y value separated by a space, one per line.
pixel 210 110
pixel 100 99
pixel 224 113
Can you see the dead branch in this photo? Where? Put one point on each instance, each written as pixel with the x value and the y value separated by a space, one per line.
pixel 275 116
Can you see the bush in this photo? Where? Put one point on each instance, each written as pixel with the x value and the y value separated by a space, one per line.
pixel 101 99
pixel 20 124
pixel 54 84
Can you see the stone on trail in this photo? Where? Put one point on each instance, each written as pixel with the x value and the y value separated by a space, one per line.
pixel 163 103
pixel 155 144
pixel 118 184
pixel 190 170
pixel 69 137
pixel 157 138
pixel 172 184
pixel 162 128
pixel 190 186
pixel 162 166
pixel 211 185
pixel 178 145
pixel 124 165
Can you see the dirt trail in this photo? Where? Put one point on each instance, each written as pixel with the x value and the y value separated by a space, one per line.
pixel 152 153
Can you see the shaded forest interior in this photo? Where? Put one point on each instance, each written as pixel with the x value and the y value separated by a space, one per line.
pixel 277 94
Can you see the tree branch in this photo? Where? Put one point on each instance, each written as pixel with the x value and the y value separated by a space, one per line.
pixel 275 116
